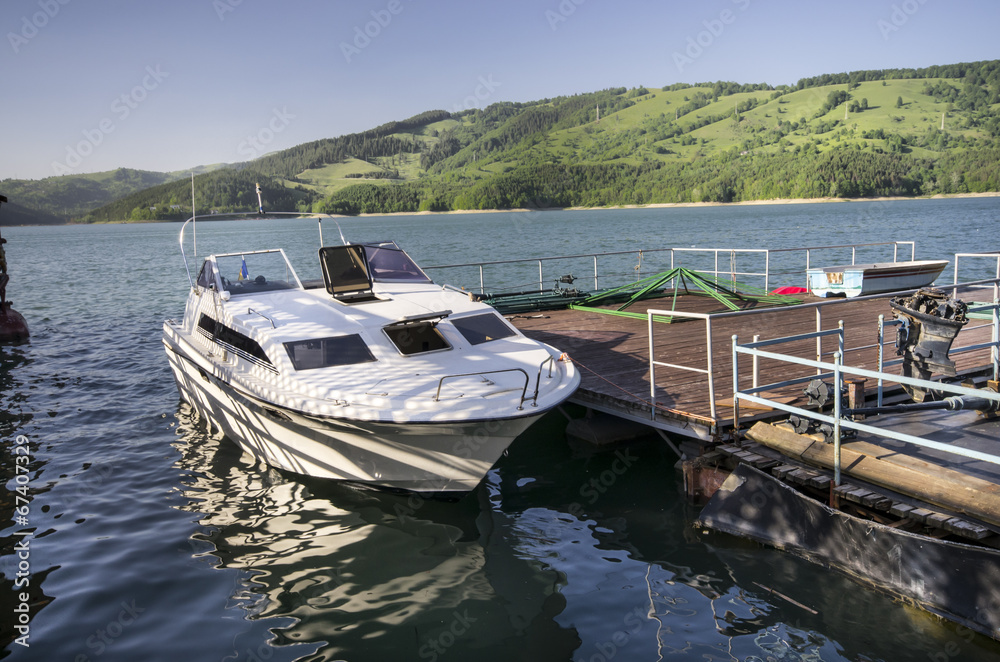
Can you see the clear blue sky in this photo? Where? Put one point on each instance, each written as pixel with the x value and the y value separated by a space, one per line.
pixel 92 85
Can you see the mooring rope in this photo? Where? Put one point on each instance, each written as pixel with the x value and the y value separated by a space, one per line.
pixel 651 405
pixel 623 390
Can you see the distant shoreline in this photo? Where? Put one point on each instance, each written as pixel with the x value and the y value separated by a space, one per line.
pixel 655 205
pixel 667 205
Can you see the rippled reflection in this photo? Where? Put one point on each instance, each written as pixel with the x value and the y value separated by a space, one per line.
pixel 560 554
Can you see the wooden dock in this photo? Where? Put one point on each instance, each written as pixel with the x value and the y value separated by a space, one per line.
pixel 613 355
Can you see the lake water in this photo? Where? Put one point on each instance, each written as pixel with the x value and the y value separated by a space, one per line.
pixel 153 540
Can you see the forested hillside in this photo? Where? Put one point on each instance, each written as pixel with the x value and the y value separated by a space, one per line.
pixel 66 198
pixel 898 132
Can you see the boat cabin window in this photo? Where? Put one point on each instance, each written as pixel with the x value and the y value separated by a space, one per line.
pixel 388 262
pixel 478 329
pixel 328 352
pixel 250 273
pixel 416 338
pixel 346 273
pixel 243 345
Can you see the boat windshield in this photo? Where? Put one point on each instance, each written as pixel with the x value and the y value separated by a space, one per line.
pixel 259 271
pixel 388 262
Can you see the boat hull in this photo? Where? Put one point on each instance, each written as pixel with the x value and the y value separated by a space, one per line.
pixel 437 457
pixel 957 581
pixel 863 279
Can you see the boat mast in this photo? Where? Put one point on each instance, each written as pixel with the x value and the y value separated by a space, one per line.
pixel 194 218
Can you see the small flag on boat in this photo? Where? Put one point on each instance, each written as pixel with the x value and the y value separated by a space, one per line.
pixel 244 274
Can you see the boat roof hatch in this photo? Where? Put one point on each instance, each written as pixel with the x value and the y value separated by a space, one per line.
pixel 346 273
pixel 422 318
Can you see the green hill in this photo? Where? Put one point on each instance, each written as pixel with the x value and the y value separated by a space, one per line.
pixel 15 214
pixel 67 197
pixel 899 132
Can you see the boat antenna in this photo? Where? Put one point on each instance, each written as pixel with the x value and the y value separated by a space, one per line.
pixel 194 218
pixel 319 220
pixel 260 205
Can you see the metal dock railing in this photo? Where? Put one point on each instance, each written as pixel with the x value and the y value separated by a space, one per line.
pixel 614 268
pixel 838 371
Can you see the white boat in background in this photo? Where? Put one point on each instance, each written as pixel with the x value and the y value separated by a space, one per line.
pixel 854 280
pixel 373 374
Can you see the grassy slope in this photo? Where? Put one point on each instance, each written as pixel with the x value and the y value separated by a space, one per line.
pixel 333 177
pixel 918 114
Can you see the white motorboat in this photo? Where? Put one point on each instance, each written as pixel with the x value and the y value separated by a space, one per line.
pixel 854 280
pixel 373 374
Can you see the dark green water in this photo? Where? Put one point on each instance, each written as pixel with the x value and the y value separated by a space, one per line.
pixel 152 540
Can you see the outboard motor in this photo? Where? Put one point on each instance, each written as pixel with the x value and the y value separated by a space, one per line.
pixel 930 322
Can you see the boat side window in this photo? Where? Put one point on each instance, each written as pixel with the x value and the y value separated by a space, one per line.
pixel 244 345
pixel 478 329
pixel 416 338
pixel 328 352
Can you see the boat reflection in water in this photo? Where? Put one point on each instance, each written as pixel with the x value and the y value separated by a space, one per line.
pixel 368 575
pixel 559 554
